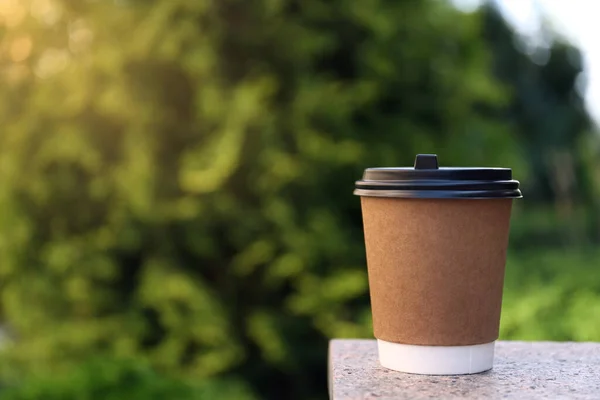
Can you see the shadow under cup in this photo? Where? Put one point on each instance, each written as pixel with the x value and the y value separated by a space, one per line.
pixel 436 241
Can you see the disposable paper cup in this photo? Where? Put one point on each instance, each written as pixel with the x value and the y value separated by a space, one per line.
pixel 436 242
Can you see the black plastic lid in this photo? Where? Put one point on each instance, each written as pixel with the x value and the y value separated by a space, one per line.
pixel 428 181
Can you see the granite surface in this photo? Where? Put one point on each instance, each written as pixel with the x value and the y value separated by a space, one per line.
pixel 522 370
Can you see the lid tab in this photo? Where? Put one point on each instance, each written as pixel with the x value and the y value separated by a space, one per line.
pixel 426 161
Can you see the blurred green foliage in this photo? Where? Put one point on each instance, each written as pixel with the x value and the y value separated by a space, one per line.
pixel 104 379
pixel 552 295
pixel 176 179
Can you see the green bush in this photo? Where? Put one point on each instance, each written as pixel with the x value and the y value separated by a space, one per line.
pixel 181 192
pixel 104 379
pixel 552 295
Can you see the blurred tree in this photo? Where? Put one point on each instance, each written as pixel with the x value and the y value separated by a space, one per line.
pixel 547 108
pixel 176 176
pixel 547 112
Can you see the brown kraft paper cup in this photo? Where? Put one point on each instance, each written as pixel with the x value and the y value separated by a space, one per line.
pixel 436 242
pixel 436 268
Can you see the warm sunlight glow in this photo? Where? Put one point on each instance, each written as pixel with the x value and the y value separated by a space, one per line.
pixel 45 11
pixel 51 62
pixel 80 37
pixel 12 13
pixel 20 49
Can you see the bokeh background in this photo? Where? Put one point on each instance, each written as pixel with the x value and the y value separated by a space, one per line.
pixel 176 209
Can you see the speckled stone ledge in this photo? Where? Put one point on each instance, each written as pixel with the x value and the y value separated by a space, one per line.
pixel 522 370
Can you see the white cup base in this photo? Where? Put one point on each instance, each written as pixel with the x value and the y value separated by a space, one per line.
pixel 436 360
